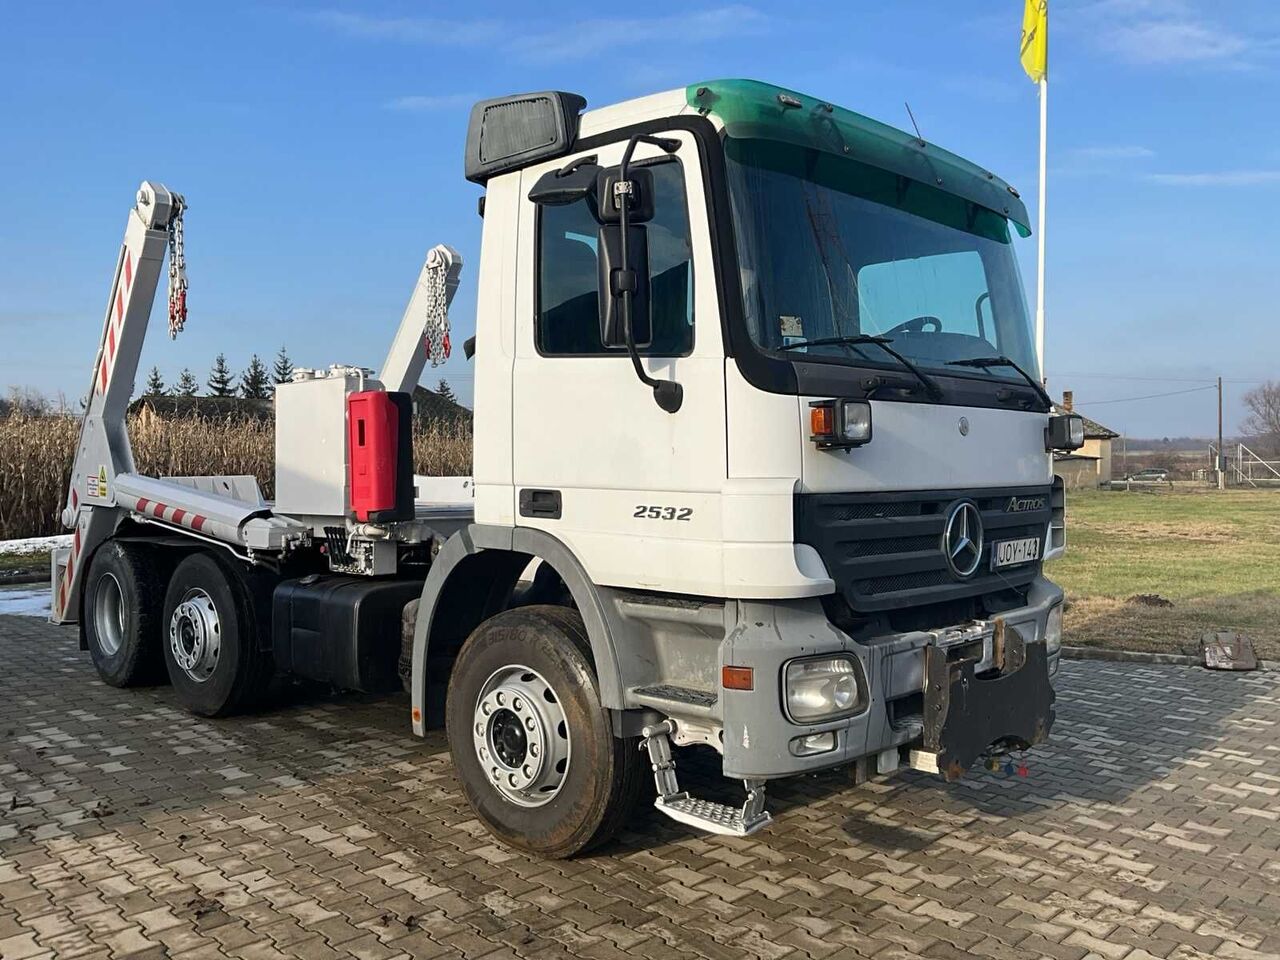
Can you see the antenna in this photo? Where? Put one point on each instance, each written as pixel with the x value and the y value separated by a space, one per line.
pixel 913 122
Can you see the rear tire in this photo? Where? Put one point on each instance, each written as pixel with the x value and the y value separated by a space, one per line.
pixel 211 639
pixel 122 614
pixel 531 742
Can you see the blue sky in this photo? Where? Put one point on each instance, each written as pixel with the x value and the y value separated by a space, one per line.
pixel 320 149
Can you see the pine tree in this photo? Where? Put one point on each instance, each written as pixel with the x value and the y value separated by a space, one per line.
pixel 445 392
pixel 221 379
pixel 186 385
pixel 155 384
pixel 282 369
pixel 255 384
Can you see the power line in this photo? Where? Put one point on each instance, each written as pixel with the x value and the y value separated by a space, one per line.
pixel 1150 396
pixel 1117 376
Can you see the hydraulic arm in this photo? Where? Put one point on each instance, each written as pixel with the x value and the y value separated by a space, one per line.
pixel 104 451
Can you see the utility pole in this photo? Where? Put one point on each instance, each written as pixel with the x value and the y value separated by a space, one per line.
pixel 1222 479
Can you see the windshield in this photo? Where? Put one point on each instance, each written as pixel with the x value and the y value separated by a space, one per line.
pixel 832 247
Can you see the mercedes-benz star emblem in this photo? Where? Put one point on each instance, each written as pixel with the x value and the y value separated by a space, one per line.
pixel 962 539
pixel 964 426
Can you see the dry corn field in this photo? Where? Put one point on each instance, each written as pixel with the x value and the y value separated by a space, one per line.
pixel 36 452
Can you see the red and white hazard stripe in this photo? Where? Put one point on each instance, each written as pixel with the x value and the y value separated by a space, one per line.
pixel 162 511
pixel 64 588
pixel 115 323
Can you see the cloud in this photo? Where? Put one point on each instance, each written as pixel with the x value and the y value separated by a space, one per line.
pixel 1175 41
pixel 428 103
pixel 428 30
pixel 1220 178
pixel 1165 33
pixel 588 38
pixel 569 41
pixel 1112 152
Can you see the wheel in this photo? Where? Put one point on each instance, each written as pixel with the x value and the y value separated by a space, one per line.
pixel 122 615
pixel 531 743
pixel 211 642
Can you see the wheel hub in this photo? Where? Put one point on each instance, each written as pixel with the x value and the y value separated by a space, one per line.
pixel 195 635
pixel 108 614
pixel 509 740
pixel 521 737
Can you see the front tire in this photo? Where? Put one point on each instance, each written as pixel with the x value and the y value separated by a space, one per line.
pixel 211 639
pixel 123 613
pixel 532 744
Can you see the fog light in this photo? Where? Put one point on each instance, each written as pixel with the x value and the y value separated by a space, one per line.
pixel 807 746
pixel 1053 630
pixel 821 688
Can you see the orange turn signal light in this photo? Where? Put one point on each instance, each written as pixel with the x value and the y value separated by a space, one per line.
pixel 737 678
pixel 822 421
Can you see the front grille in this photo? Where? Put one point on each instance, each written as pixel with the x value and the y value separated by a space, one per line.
pixel 884 550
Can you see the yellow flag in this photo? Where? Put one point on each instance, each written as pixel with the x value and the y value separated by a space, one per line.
pixel 1035 39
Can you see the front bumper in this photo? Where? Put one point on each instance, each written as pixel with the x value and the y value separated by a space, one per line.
pixel 914 693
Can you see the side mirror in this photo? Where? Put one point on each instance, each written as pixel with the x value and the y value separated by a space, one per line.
pixel 569 184
pixel 616 276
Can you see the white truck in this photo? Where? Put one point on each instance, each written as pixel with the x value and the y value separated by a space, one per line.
pixel 762 463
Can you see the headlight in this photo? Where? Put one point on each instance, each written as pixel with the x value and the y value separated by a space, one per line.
pixel 1053 630
pixel 1064 432
pixel 840 423
pixel 821 688
pixel 855 421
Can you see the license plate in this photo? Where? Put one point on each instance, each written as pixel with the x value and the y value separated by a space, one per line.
pixel 1008 553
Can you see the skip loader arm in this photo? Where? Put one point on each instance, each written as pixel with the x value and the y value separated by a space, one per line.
pixel 104 450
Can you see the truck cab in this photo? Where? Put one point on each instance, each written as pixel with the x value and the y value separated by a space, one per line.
pixel 762 464
pixel 830 552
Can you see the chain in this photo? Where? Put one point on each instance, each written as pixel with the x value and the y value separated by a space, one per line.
pixel 436 333
pixel 177 270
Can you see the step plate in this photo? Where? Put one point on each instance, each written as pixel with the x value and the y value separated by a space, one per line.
pixel 710 816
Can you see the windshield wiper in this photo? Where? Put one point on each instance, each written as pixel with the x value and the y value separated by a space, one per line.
pixel 1006 362
pixel 930 385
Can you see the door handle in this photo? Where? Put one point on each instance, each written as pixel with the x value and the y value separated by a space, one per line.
pixel 542 504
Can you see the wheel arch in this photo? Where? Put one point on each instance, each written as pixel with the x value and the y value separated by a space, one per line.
pixel 471 579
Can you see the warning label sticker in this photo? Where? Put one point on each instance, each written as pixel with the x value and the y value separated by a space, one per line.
pixel 95 485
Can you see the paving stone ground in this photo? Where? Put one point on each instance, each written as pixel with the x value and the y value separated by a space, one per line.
pixel 1150 826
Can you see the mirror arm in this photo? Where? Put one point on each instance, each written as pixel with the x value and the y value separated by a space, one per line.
pixel 668 394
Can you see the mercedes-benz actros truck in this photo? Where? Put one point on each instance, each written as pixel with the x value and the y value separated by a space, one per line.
pixel 762 464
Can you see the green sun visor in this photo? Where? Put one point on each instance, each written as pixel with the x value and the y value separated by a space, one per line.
pixel 753 110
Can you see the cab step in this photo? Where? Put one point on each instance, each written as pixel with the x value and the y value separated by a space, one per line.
pixel 705 815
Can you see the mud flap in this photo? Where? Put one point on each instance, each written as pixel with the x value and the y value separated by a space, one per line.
pixel 965 715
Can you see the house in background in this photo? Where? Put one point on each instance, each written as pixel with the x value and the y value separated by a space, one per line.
pixel 1090 466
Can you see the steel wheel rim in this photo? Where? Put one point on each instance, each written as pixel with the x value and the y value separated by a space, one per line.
pixel 108 614
pixel 521 736
pixel 195 635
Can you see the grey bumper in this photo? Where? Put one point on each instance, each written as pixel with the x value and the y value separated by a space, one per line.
pixel 761 742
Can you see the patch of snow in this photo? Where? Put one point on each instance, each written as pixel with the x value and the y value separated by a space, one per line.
pixel 34 544
pixel 32 601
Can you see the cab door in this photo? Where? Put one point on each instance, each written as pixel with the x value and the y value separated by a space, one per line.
pixel 632 490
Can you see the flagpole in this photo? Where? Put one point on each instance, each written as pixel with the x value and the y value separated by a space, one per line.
pixel 1044 126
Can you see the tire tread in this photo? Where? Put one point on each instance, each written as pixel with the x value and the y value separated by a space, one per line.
pixel 143 664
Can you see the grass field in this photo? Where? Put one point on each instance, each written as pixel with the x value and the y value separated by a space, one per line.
pixel 22 562
pixel 1213 557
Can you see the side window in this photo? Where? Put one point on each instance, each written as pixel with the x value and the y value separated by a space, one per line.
pixel 568 320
